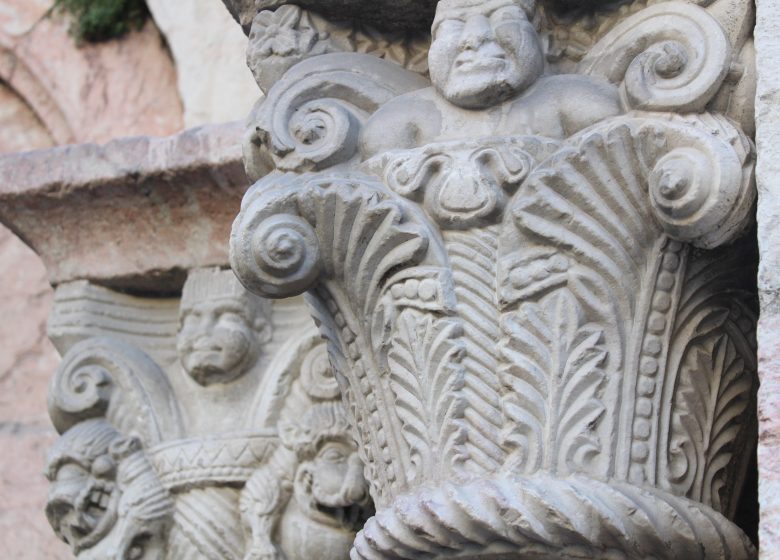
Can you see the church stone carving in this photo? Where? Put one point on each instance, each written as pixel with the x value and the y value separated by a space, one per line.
pixel 208 426
pixel 533 277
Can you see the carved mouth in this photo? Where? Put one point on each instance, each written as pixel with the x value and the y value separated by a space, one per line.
pixel 469 61
pixel 350 517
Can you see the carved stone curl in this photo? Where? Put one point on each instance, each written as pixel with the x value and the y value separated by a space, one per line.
pixel 175 460
pixel 538 324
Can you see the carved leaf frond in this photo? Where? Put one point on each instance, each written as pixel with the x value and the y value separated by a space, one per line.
pixel 590 203
pixel 555 369
pixel 710 413
pixel 426 377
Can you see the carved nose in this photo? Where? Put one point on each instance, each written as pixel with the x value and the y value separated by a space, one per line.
pixel 356 483
pixel 476 33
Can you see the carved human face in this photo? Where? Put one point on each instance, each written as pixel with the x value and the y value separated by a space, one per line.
pixel 82 503
pixel 220 339
pixel 331 486
pixel 483 56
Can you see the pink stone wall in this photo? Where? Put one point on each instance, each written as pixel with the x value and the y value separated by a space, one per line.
pixel 52 92
pixel 27 359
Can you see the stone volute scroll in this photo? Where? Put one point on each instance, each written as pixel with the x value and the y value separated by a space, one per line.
pixel 533 276
pixel 203 427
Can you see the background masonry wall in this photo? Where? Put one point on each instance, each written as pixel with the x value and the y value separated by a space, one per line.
pixel 52 92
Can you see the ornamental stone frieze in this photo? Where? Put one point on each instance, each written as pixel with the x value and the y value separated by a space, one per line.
pixel 532 265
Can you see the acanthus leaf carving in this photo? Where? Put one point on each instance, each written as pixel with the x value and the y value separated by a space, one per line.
pixel 521 281
pixel 429 407
pixel 554 373
pixel 547 228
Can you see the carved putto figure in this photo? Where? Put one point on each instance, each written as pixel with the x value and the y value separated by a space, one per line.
pixel 168 459
pixel 535 287
pixel 487 64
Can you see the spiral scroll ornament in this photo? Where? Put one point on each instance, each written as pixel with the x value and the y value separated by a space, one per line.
pixel 700 190
pixel 310 120
pixel 673 56
pixel 106 377
pixel 285 249
pixel 321 133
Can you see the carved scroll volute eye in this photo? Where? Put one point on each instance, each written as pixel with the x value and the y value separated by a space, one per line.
pixel 702 191
pixel 672 56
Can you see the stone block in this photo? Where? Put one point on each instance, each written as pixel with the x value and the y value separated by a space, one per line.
pixel 94 212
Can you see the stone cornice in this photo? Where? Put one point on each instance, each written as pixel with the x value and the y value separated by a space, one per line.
pixel 93 212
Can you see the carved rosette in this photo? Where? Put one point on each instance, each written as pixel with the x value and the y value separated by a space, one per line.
pixel 546 347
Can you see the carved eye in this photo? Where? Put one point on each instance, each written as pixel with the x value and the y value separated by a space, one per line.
pixel 333 454
pixel 231 317
pixel 103 467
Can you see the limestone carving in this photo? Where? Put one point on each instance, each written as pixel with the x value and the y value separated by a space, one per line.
pixel 105 499
pixel 208 426
pixel 280 39
pixel 535 287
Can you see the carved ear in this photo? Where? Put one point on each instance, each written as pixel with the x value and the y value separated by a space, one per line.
pixel 311 118
pixel 106 377
pixel 673 56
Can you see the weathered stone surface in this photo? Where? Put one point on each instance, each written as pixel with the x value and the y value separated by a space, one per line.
pixel 26 361
pixel 767 35
pixel 19 16
pixel 92 93
pixel 22 129
pixel 94 212
pixel 240 449
pixel 208 49
pixel 536 289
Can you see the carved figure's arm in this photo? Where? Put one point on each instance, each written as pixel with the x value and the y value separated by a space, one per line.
pixel 585 101
pixel 406 122
pixel 262 503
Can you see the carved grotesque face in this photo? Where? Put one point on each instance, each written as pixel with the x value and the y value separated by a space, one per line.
pixel 331 486
pixel 82 501
pixel 105 500
pixel 220 339
pixel 483 55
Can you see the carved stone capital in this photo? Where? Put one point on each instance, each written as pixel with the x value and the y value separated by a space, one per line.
pixel 535 288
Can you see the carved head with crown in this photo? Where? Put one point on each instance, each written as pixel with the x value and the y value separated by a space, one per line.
pixel 223 327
